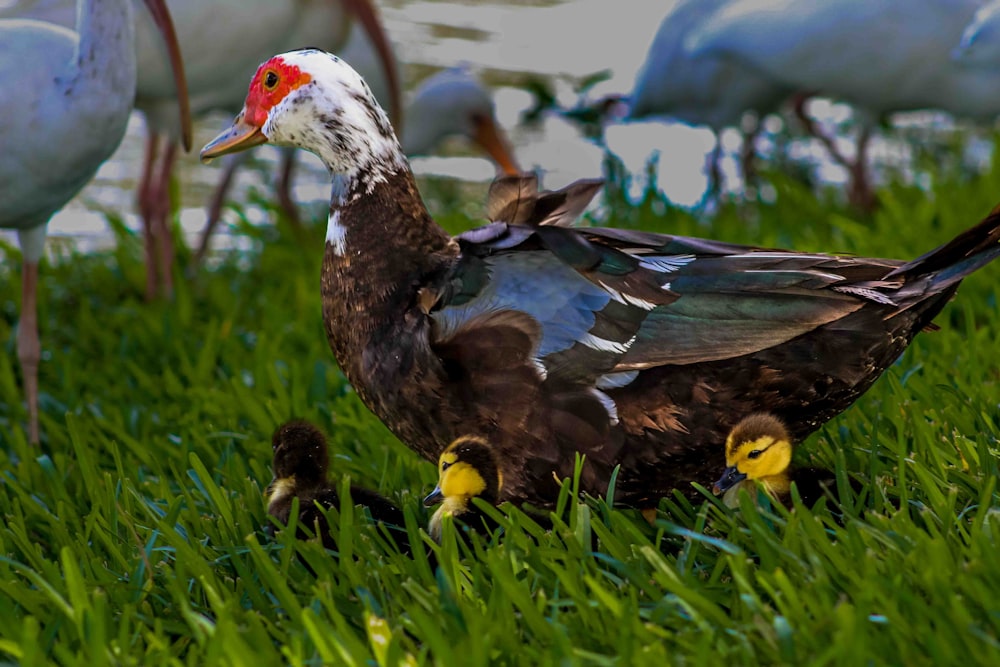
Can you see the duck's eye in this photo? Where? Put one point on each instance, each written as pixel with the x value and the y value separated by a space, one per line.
pixel 445 465
pixel 755 454
pixel 270 80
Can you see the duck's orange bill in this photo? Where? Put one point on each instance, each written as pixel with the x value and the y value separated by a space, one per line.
pixel 240 136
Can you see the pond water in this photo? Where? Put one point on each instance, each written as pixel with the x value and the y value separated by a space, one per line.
pixel 505 42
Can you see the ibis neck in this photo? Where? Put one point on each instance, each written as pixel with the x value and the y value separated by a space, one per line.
pixel 105 56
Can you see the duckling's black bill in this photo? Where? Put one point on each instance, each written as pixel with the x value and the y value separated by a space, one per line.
pixel 730 478
pixel 434 497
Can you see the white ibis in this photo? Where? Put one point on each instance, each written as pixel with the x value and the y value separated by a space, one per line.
pixel 979 45
pixel 453 103
pixel 217 57
pixel 882 56
pixel 74 96
pixel 701 89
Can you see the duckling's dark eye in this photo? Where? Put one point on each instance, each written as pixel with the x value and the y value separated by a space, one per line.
pixel 270 80
pixel 445 465
pixel 755 454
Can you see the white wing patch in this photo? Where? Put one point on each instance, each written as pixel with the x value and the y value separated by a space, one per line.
pixel 781 255
pixel 627 299
pixel 336 233
pixel 608 404
pixel 666 263
pixel 616 380
pixel 832 277
pixel 866 293
pixel 605 345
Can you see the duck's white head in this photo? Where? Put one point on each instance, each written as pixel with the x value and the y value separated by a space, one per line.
pixel 314 100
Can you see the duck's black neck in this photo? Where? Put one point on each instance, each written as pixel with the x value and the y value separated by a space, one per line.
pixel 381 246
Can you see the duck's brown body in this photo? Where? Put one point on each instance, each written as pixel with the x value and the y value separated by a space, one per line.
pixel 634 349
pixel 670 415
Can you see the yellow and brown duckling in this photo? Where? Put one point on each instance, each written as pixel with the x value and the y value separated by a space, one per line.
pixel 467 469
pixel 300 466
pixel 759 455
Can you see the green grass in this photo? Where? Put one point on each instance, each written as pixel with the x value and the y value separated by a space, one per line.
pixel 134 535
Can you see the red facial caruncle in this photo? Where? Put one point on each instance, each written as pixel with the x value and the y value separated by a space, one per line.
pixel 273 81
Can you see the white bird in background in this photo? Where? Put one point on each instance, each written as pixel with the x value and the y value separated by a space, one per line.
pixel 882 56
pixel 453 103
pixel 706 89
pixel 449 103
pixel 74 96
pixel 979 45
pixel 218 58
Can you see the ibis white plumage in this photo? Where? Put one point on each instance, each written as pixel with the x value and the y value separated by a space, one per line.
pixel 883 56
pixel 74 93
pixel 222 42
pixel 708 90
pixel 979 45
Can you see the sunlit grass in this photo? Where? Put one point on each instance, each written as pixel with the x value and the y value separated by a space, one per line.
pixel 135 534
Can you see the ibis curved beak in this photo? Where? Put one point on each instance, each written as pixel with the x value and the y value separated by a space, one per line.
pixel 491 139
pixel 161 16
pixel 730 478
pixel 365 12
pixel 240 136
pixel 434 497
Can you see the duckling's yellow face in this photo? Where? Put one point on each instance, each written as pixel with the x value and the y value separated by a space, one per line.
pixel 466 469
pixel 459 479
pixel 765 456
pixel 757 449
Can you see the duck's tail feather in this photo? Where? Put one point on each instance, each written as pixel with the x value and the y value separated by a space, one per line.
pixel 947 265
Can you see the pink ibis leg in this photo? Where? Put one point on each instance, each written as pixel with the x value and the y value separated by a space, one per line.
pixel 860 192
pixel 29 348
pixel 284 189
pixel 147 203
pixel 162 232
pixel 714 170
pixel 214 213
pixel 748 156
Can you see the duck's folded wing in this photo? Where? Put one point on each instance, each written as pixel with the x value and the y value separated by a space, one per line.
pixel 609 302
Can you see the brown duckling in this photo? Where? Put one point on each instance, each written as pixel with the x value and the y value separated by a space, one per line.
pixel 300 465
pixel 467 469
pixel 759 455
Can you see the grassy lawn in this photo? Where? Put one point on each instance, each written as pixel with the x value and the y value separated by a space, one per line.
pixel 135 534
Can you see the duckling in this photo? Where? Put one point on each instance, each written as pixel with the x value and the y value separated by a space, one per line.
pixel 300 469
pixel 467 469
pixel 759 453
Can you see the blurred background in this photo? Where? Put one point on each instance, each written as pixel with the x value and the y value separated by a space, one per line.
pixel 538 59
